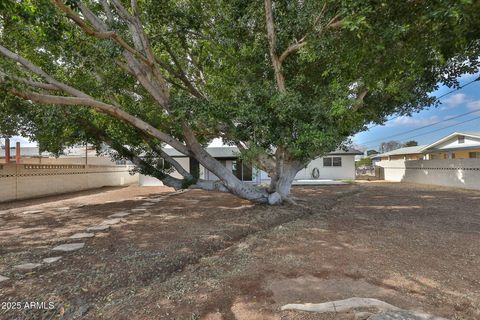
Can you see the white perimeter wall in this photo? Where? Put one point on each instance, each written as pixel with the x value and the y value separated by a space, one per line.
pixel 460 173
pixel 25 181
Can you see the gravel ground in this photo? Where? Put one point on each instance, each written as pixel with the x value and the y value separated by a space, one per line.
pixel 201 255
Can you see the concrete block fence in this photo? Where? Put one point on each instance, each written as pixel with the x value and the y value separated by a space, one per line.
pixel 24 181
pixel 459 173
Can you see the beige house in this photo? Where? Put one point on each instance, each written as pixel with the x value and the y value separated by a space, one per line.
pixel 458 145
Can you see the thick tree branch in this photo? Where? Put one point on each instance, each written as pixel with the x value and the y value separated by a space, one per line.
pixel 157 148
pixel 272 42
pixel 98 34
pixel 180 74
pixel 36 84
pixel 33 68
pixel 359 100
pixel 291 49
pixel 104 108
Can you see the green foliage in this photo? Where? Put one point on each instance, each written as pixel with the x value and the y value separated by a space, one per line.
pixel 411 143
pixel 364 162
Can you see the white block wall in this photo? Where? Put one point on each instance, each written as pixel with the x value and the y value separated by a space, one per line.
pixel 460 173
pixel 26 181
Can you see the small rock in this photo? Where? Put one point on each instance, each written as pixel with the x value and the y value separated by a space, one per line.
pixel 52 259
pixel 82 235
pixel 69 247
pixel 110 222
pixel 140 198
pixel 98 228
pixel 2 278
pixel 27 266
pixel 81 311
pixel 119 215
pixel 139 209
pixel 146 204
pixel 63 209
pixel 32 211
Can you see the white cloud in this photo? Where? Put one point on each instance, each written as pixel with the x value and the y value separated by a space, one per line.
pixel 413 122
pixel 455 100
pixel 473 105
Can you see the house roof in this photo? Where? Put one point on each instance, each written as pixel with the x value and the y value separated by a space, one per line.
pixel 426 148
pixel 406 150
pixel 232 152
pixel 347 151
pixel 450 136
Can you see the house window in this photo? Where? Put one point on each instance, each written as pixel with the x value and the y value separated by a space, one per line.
pixel 461 139
pixel 241 170
pixel 453 155
pixel 474 155
pixel 332 162
pixel 337 161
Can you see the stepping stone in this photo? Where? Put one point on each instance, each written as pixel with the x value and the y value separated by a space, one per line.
pixel 139 209
pixel 27 266
pixel 2 278
pixel 146 204
pixel 82 235
pixel 119 215
pixel 32 211
pixel 69 247
pixel 99 228
pixel 52 259
pixel 110 222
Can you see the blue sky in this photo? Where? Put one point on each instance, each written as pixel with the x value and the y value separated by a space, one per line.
pixel 454 104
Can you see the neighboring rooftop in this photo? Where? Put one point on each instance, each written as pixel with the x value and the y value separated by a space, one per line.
pixel 232 152
pixel 406 150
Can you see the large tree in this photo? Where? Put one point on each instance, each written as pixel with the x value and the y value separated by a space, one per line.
pixel 285 81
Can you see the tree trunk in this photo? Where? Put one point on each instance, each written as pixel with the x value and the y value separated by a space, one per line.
pixel 286 170
pixel 229 180
pixel 285 180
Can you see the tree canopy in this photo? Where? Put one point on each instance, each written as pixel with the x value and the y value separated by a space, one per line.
pixel 411 143
pixel 285 81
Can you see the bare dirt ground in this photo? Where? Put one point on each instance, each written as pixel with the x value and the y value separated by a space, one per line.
pixel 200 255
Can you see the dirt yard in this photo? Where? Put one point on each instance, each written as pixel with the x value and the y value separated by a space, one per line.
pixel 200 255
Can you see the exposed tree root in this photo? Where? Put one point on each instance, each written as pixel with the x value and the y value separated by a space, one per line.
pixel 385 311
pixel 341 305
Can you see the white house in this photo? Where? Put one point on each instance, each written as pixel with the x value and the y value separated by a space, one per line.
pixel 337 165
